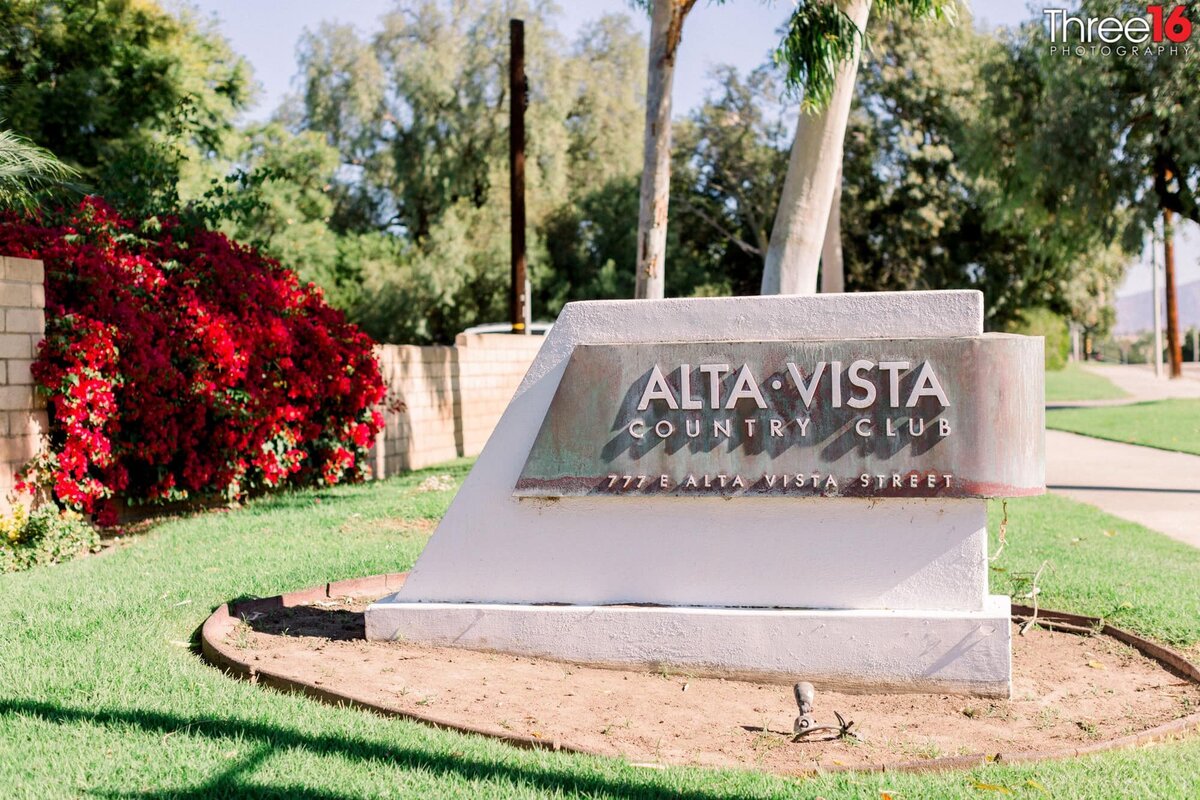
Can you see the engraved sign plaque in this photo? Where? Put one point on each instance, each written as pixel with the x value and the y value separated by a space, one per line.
pixel 948 417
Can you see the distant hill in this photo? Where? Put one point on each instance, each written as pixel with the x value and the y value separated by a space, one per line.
pixel 1135 313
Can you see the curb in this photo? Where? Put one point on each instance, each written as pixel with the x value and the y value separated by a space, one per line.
pixel 215 651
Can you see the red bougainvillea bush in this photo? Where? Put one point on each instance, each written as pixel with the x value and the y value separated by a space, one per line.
pixel 178 364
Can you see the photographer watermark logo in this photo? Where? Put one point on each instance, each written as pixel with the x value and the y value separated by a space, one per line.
pixel 1165 30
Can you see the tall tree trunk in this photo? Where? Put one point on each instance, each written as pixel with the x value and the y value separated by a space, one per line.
pixel 833 268
pixel 799 231
pixel 1174 345
pixel 666 26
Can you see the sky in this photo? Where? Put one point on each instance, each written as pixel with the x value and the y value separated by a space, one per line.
pixel 740 33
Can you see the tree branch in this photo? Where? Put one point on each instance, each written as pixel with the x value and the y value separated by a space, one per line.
pixel 741 243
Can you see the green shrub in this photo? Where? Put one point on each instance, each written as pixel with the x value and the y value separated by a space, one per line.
pixel 1044 322
pixel 45 535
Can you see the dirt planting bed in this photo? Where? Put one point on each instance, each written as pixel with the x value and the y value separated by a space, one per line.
pixel 1072 692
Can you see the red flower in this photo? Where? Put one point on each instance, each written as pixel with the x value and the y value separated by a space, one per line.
pixel 362 434
pixel 186 364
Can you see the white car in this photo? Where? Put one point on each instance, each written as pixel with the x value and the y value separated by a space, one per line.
pixel 535 328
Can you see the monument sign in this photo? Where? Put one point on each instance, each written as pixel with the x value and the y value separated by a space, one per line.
pixel 788 488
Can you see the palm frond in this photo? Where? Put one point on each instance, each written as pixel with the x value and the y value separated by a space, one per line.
pixel 26 170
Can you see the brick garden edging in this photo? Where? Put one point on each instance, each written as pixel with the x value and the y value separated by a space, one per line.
pixel 216 651
pixel 219 654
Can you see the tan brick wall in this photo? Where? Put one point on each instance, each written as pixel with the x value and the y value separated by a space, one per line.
pixel 490 368
pixel 22 410
pixel 443 402
pixel 419 409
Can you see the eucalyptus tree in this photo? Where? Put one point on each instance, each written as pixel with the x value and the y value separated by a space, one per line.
pixel 666 30
pixel 833 260
pixel 820 53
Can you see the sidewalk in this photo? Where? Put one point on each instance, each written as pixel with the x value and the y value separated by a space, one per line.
pixel 1139 382
pixel 1156 488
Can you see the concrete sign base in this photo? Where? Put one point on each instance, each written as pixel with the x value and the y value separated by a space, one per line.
pixel 881 591
pixel 952 652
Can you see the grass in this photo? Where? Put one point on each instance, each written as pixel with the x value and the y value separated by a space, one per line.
pixel 1075 383
pixel 1165 424
pixel 1099 565
pixel 103 695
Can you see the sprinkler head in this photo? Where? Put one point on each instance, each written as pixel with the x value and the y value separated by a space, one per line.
pixel 805 694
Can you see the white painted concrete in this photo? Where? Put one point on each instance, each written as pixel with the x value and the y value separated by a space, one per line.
pixel 959 652
pixel 760 552
pixel 491 547
pixel 905 581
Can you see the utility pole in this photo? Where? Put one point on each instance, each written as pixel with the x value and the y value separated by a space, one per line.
pixel 1174 345
pixel 518 98
pixel 1158 360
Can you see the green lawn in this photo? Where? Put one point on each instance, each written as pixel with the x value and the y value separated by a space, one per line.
pixel 1074 383
pixel 1166 424
pixel 102 693
pixel 1101 566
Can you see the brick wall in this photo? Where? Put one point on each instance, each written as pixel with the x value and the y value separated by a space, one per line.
pixel 419 416
pixel 444 401
pixel 490 368
pixel 22 410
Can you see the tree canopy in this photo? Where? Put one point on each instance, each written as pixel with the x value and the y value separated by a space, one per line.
pixel 1106 142
pixel 926 205
pixel 418 110
pixel 122 90
pixel 384 178
pixel 417 113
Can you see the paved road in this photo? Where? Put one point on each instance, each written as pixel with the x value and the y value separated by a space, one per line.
pixel 1156 488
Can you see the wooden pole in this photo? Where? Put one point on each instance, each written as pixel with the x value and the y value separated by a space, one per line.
pixel 1174 344
pixel 1154 281
pixel 518 93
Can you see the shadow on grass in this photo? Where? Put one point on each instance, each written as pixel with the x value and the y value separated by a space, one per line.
pixel 234 782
